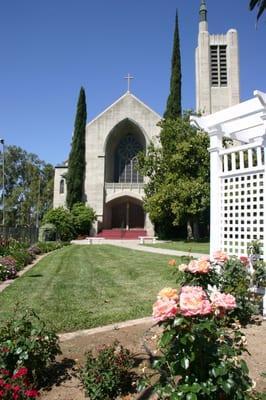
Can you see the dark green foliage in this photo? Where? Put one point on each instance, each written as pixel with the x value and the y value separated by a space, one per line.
pixel 178 186
pixel 255 252
pixel 46 247
pixel 108 375
pixel 25 341
pixel 62 219
pixel 236 280
pixel 83 216
pixel 201 361
pixel 174 108
pixel 261 4
pixel 76 161
pixel 69 224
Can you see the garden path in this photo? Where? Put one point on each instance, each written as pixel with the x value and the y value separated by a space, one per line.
pixel 134 245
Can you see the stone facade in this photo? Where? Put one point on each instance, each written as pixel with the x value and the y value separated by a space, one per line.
pixel 217 68
pixel 106 190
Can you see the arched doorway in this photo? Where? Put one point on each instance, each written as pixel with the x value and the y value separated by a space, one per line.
pixel 124 213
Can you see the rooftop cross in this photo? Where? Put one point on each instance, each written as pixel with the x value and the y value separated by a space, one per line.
pixel 128 77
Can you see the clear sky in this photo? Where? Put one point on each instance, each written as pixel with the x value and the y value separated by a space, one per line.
pixel 50 48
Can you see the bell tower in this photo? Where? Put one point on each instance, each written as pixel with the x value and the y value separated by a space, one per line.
pixel 217 68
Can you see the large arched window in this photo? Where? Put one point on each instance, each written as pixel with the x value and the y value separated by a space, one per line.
pixel 62 186
pixel 126 160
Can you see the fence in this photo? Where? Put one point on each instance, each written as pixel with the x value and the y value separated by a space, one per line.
pixel 241 197
pixel 22 234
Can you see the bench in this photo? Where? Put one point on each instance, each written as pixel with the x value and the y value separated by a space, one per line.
pixel 95 240
pixel 143 239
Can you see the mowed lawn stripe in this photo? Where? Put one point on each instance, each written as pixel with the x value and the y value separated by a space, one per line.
pixel 80 287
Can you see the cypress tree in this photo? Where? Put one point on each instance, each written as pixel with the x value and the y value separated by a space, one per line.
pixel 76 161
pixel 173 108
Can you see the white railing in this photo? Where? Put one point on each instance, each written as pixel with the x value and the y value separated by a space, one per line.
pixel 242 159
pixel 112 187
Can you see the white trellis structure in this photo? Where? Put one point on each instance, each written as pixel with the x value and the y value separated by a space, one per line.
pixel 238 175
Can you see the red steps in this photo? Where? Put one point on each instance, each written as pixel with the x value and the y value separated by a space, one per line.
pixel 118 234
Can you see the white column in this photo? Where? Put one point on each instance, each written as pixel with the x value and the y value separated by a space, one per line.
pixel 127 216
pixel 215 182
pixel 264 190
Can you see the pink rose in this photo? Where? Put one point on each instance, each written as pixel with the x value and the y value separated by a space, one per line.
pixel 220 256
pixel 164 309
pixel 244 260
pixel 222 300
pixel 204 258
pixel 193 301
pixel 198 267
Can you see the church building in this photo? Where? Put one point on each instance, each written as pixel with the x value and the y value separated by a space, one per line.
pixel 113 186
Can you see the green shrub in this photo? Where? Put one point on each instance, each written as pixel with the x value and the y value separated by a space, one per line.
pixel 236 280
pixel 83 217
pixel 107 375
pixel 46 247
pixel 63 222
pixel 26 341
pixel 47 232
pixel 259 275
pixel 22 257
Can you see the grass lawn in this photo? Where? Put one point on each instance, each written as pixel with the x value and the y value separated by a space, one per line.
pixel 181 245
pixel 80 287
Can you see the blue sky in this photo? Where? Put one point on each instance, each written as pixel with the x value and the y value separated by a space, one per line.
pixel 50 48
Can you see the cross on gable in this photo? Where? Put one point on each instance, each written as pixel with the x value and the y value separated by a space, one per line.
pixel 128 77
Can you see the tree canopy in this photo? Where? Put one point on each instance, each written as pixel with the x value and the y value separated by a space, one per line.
pixel 76 162
pixel 178 188
pixel 28 187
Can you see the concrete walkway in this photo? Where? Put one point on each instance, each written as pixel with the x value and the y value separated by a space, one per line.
pixel 134 245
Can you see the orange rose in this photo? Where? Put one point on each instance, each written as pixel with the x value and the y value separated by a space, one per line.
pixel 168 293
pixel 172 262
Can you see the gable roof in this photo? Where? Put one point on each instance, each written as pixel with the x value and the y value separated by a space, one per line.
pixel 120 99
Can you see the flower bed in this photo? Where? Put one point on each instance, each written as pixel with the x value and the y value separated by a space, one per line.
pixel 14 256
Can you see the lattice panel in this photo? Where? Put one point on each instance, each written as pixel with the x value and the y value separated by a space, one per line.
pixel 242 202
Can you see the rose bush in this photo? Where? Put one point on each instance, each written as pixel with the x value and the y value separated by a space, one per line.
pixel 201 343
pixel 25 341
pixel 16 386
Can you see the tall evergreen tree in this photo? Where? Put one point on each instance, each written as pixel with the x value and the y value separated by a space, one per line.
pixel 174 108
pixel 76 161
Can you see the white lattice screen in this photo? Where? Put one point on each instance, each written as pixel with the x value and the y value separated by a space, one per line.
pixel 242 211
pixel 238 175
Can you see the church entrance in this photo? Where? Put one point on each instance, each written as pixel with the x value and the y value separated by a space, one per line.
pixel 124 213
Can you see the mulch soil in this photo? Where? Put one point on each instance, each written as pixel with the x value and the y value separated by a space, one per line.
pixel 65 383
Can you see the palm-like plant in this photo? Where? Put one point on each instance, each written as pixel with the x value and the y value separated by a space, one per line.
pixel 261 4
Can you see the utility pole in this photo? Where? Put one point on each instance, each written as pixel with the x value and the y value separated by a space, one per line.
pixel 3 188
